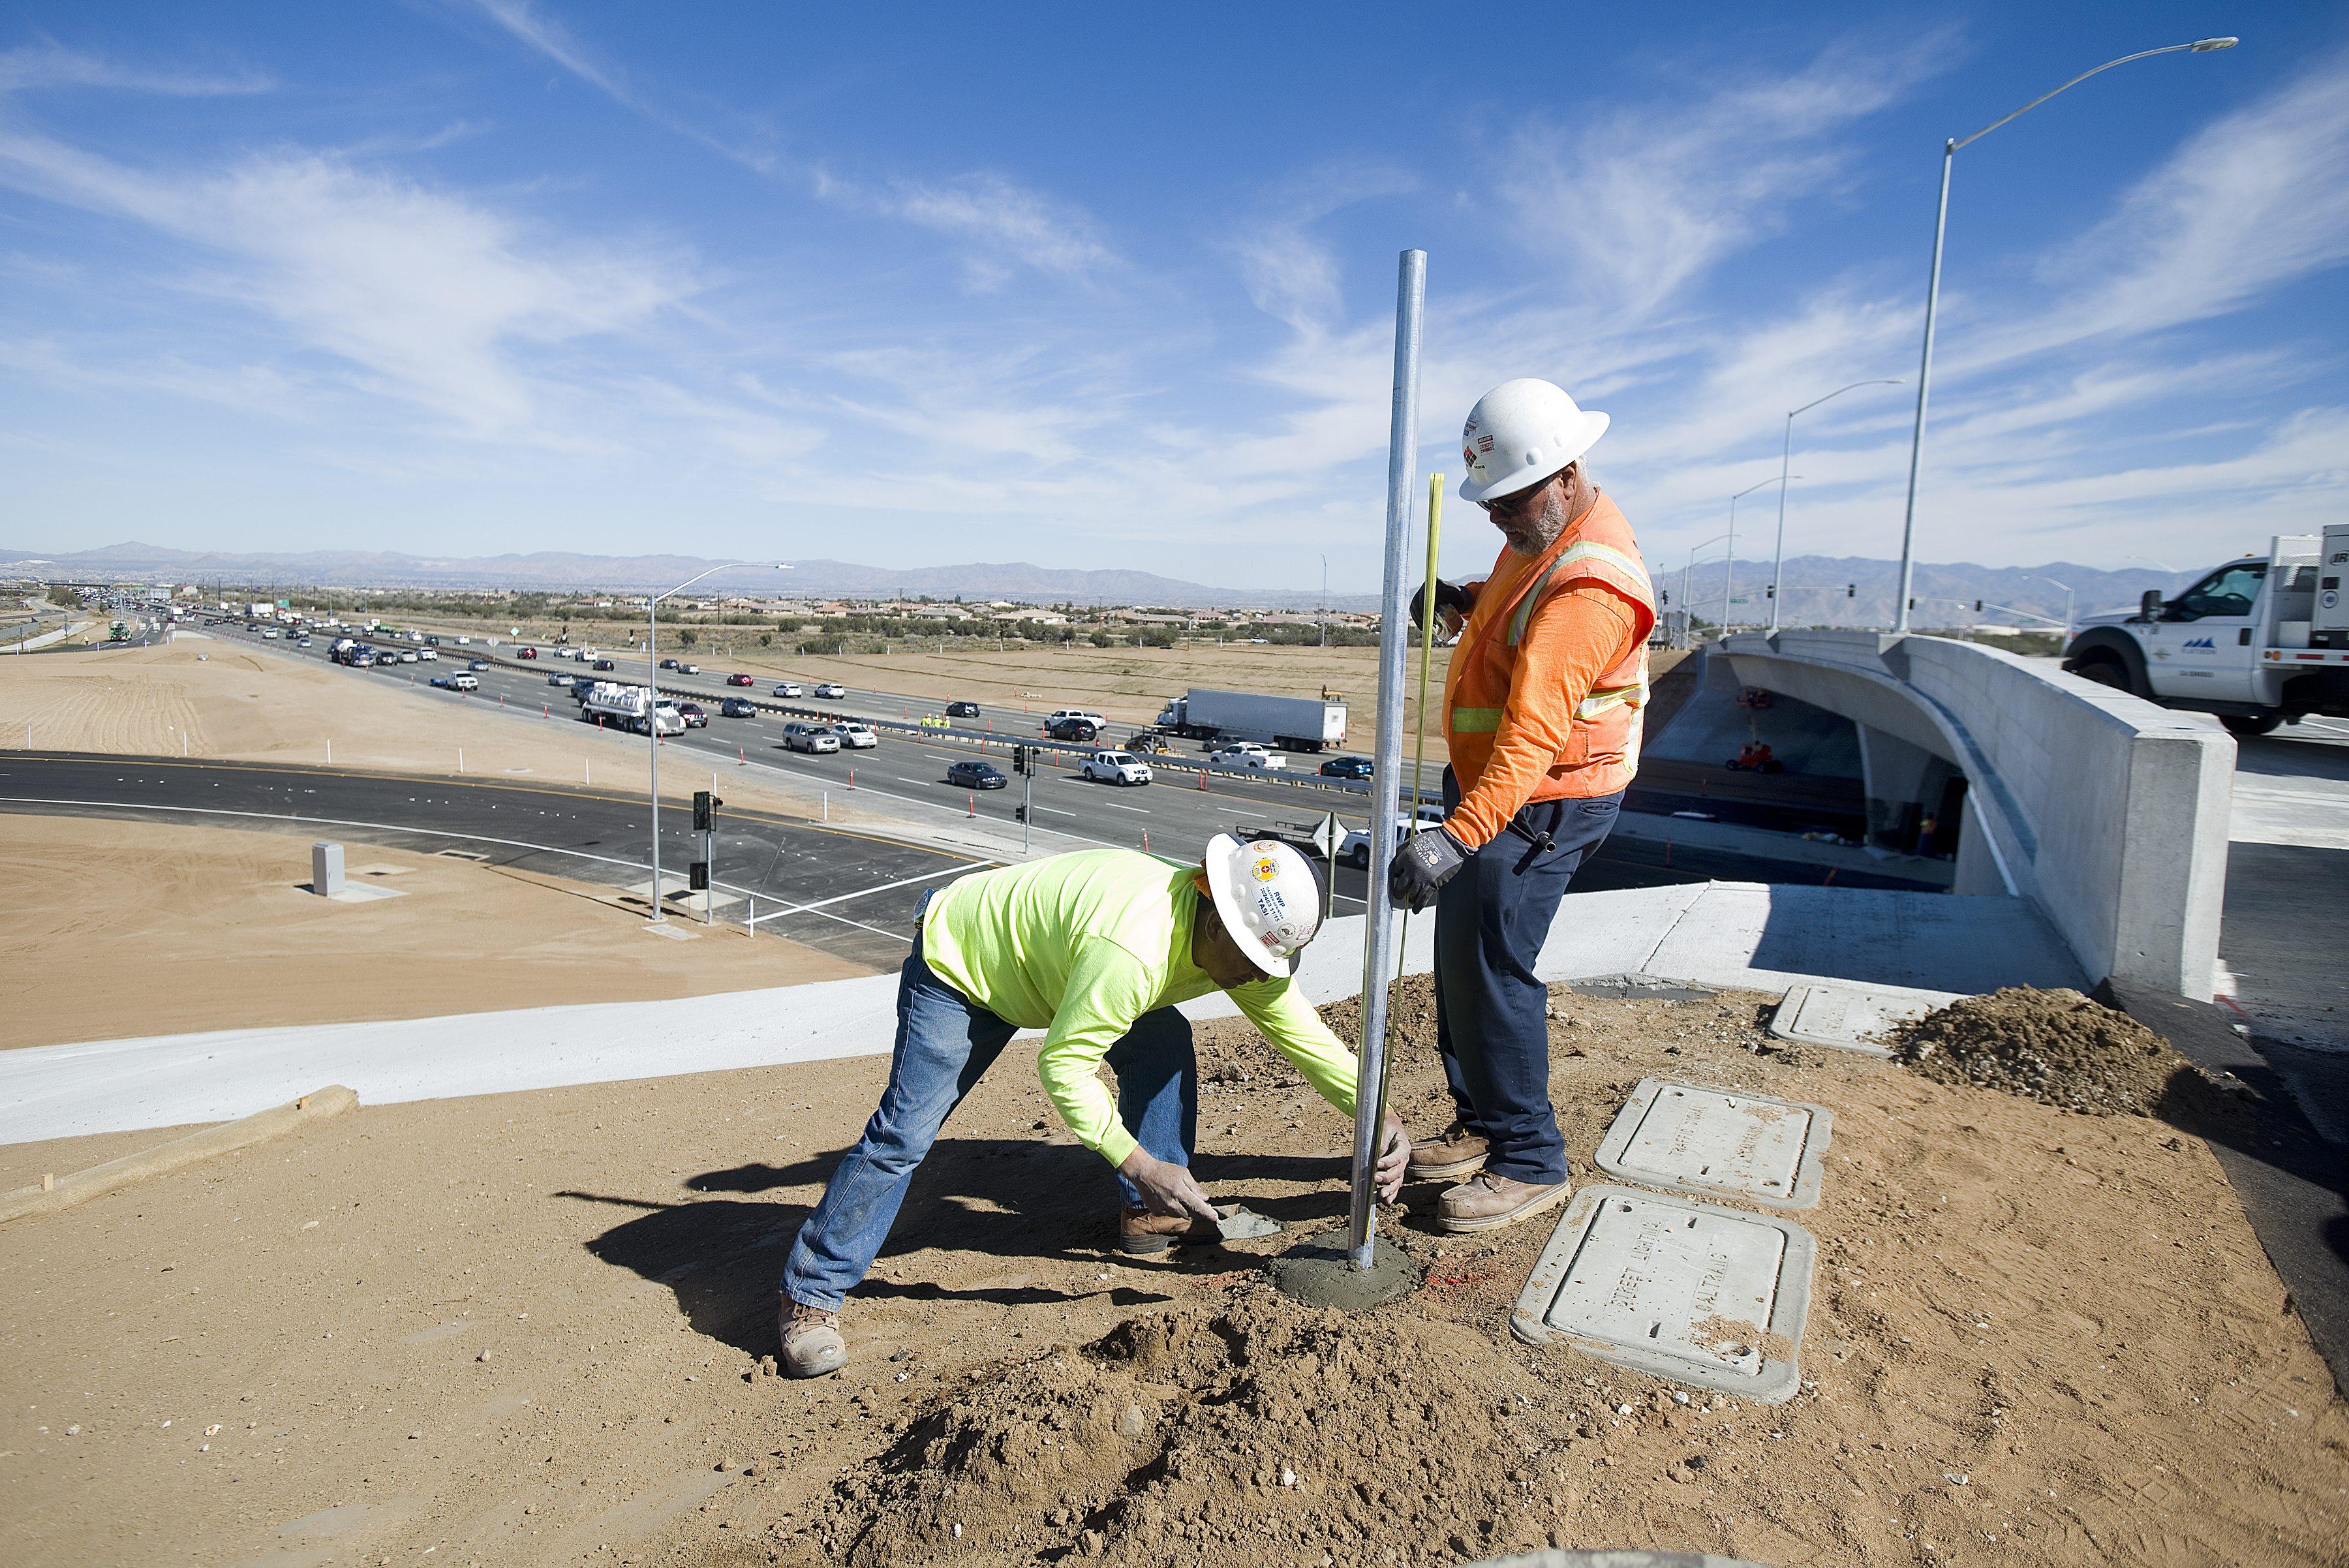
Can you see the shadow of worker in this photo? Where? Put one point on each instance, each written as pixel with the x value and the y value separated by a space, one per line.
pixel 1006 1199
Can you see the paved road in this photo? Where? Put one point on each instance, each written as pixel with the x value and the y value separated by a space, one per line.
pixel 846 892
pixel 905 770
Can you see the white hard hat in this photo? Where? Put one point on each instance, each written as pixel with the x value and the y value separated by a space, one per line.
pixel 1269 898
pixel 1520 433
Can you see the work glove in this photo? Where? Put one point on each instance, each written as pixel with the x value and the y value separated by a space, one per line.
pixel 1451 598
pixel 1423 863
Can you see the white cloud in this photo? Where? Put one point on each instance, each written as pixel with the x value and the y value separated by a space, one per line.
pixel 1005 219
pixel 34 67
pixel 429 296
pixel 1644 201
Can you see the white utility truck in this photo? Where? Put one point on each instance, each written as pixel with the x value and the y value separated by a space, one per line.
pixel 2260 641
pixel 1298 723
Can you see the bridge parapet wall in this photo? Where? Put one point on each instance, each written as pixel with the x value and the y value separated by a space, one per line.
pixel 2108 812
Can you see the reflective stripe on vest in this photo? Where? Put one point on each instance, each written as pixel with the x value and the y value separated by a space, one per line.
pixel 1582 550
pixel 1603 699
pixel 1475 721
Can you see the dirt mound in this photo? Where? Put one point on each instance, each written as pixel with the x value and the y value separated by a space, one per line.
pixel 1310 1434
pixel 2053 1046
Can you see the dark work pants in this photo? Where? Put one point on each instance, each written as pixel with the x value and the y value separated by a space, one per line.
pixel 1491 1013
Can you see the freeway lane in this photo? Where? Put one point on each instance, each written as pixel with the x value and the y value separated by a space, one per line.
pixel 908 770
pixel 863 889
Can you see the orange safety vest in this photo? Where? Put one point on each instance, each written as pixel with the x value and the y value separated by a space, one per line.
pixel 1602 748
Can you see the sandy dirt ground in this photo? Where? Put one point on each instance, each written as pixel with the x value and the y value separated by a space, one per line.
pixel 526 1329
pixel 120 928
pixel 253 707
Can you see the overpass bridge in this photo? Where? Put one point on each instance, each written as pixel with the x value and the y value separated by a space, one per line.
pixel 2103 814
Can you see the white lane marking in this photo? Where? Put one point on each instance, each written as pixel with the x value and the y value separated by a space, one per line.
pixel 882 887
pixel 1113 806
pixel 1056 811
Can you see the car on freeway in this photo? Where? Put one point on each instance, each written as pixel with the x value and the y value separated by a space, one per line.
pixel 271 633
pixel 1346 768
pixel 975 774
pixel 1087 714
pixel 782 688
pixel 855 736
pixel 817 738
pixel 478 664
pixel 526 653
pixel 1117 768
pixel 407 656
pixel 696 717
pixel 426 656
pixel 738 707
pixel 668 664
pixel 1246 755
pixel 740 681
pixel 562 678
pixel 1355 850
pixel 1072 727
pixel 607 664
pixel 962 709
pixel 689 669
pixel 830 689
pixel 433 641
pixel 302 641
pixel 464 684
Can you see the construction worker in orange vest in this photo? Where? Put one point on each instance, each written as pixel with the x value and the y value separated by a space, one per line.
pixel 1542 710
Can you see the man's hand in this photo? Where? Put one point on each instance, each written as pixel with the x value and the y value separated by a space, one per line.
pixel 1394 1157
pixel 1453 603
pixel 1167 1188
pixel 1423 863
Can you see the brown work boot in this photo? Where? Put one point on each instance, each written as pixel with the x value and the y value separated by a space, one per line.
pixel 1491 1202
pixel 1457 1153
pixel 812 1342
pixel 1141 1233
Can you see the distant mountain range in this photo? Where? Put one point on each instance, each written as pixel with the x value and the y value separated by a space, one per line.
pixel 1815 584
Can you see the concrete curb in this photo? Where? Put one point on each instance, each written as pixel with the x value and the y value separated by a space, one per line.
pixel 82 1185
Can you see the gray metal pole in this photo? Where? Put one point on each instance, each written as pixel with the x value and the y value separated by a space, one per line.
pixel 652 737
pixel 1924 391
pixel 1386 770
pixel 1778 567
pixel 1729 567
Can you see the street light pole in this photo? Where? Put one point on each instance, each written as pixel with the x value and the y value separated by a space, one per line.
pixel 2067 606
pixel 1729 574
pixel 1687 613
pixel 1786 455
pixel 1322 617
pixel 652 706
pixel 1934 296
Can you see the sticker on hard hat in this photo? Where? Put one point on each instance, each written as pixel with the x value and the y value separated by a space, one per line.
pixel 1485 443
pixel 1266 868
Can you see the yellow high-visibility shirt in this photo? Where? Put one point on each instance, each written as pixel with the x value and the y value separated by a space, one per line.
pixel 1083 945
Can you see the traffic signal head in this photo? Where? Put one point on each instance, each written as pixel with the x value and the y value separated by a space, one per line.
pixel 705 810
pixel 1851 590
pixel 696 876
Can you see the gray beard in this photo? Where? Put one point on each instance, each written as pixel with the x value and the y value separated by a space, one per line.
pixel 1543 530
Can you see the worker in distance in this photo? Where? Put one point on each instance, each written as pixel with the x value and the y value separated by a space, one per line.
pixel 1096 948
pixel 1542 710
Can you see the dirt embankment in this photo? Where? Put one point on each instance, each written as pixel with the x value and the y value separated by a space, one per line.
pixel 2036 1338
pixel 121 929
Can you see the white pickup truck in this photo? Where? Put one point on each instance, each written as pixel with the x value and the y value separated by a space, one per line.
pixel 2260 641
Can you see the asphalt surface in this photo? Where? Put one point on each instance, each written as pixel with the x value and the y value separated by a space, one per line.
pixel 906 770
pixel 834 889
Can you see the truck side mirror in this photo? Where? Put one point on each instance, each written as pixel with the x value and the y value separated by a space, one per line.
pixel 2151 607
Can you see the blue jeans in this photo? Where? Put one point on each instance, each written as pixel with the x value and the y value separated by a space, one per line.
pixel 1492 1028
pixel 945 1046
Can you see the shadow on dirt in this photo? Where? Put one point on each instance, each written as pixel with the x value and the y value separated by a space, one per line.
pixel 1006 1199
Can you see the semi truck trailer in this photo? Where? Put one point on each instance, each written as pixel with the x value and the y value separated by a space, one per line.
pixel 1296 723
pixel 2261 640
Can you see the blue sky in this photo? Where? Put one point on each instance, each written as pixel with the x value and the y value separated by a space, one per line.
pixel 1112 286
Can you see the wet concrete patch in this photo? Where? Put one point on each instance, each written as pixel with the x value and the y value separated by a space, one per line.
pixel 1319 1273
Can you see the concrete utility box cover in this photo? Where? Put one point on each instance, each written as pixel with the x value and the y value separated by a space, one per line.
pixel 1854 1017
pixel 1677 1289
pixel 1710 1141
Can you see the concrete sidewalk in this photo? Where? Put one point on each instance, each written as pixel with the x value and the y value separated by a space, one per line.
pixel 1745 935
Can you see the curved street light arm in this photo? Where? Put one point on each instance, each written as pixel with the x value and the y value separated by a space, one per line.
pixel 2199 47
pixel 1786 456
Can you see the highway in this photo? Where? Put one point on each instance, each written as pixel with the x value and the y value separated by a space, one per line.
pixel 848 892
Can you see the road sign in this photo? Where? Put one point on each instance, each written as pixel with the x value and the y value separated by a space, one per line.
pixel 1330 835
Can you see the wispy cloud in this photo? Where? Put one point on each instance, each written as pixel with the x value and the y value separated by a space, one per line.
pixel 35 67
pixel 1006 221
pixel 427 296
pixel 1645 200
